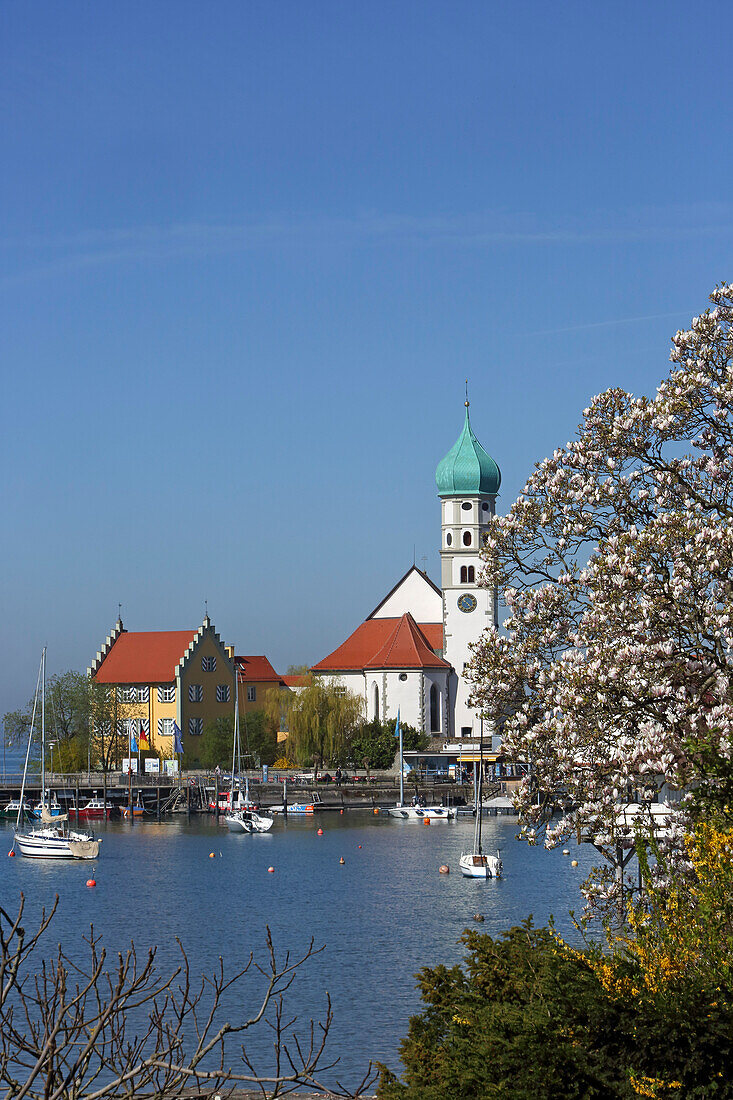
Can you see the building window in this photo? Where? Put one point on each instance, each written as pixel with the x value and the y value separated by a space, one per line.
pixel 143 695
pixel 466 538
pixel 129 695
pixel 167 693
pixel 195 726
pixel 376 701
pixel 251 694
pixel 403 676
pixel 222 693
pixel 466 506
pixel 467 574
pixel 195 693
pixel 434 709
pixel 208 664
pixel 449 539
pixel 484 507
pixel 466 731
pixel 165 727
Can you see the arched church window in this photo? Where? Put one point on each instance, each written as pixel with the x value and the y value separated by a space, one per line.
pixel 376 701
pixel 470 577
pixel 434 709
pixel 464 575
pixel 466 538
pixel 449 539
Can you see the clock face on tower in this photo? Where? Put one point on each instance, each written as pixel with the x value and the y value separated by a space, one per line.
pixel 467 602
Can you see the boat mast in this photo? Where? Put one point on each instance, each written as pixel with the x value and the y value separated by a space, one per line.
pixel 30 739
pixel 43 728
pixel 402 765
pixel 480 784
pixel 235 739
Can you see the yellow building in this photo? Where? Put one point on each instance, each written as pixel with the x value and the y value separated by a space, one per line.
pixel 165 677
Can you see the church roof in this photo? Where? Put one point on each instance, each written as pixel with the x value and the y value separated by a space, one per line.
pixel 406 647
pixel 144 657
pixel 359 649
pixel 467 470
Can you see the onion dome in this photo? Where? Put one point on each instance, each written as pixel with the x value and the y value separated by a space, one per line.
pixel 467 470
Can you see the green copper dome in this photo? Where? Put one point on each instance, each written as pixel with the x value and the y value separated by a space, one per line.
pixel 467 470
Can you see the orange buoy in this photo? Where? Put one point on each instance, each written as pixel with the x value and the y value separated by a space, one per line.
pixel 573 863
pixel 360 845
pixel 270 870
pixel 341 811
pixel 444 869
pixel 11 852
pixel 342 860
pixel 426 821
pixel 320 832
pixel 91 882
pixel 376 809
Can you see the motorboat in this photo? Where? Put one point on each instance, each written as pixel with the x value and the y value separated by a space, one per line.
pixel 13 808
pixel 50 804
pixel 96 807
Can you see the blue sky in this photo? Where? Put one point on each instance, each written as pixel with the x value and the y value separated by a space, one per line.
pixel 250 251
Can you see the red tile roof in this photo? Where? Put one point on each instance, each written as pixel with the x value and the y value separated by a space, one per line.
pixel 257 669
pixel 409 646
pixel 406 647
pixel 297 680
pixel 144 657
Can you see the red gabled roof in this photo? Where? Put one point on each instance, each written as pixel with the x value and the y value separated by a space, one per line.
pixel 369 639
pixel 255 668
pixel 406 647
pixel 144 657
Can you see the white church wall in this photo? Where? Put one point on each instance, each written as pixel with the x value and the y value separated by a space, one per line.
pixel 416 596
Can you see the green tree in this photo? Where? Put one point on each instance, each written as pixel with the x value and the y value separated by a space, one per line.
pixel 215 744
pixel 259 737
pixel 321 721
pixel 85 719
pixel 528 1016
pixel 376 743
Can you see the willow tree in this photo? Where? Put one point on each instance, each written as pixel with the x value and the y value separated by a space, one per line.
pixel 322 718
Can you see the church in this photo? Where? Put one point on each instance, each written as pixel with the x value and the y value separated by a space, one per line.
pixel 411 651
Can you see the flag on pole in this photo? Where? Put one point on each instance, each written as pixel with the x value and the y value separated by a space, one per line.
pixel 133 742
pixel 144 739
pixel 177 743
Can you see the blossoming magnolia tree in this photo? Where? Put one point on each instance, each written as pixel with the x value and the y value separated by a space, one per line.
pixel 614 675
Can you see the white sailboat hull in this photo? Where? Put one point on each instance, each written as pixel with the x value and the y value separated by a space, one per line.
pixel 420 813
pixel 54 844
pixel 479 865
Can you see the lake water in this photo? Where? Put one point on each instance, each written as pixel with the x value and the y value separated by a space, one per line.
pixel 381 915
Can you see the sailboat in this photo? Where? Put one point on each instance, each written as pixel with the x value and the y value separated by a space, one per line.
pixel 417 811
pixel 244 819
pixel 52 839
pixel 477 864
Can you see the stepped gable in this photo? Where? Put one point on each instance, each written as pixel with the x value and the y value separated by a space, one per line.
pixel 138 657
pixel 355 654
pixel 406 647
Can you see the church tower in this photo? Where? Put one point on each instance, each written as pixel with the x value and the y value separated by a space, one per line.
pixel 468 481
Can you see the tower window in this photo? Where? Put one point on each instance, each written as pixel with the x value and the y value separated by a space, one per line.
pixel 485 506
pixel 466 538
pixel 467 574
pixel 449 539
pixel 466 506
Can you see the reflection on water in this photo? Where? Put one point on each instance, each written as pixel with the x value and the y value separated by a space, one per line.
pixel 381 915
